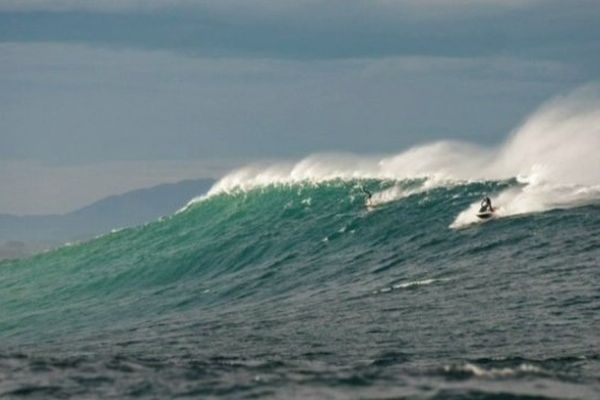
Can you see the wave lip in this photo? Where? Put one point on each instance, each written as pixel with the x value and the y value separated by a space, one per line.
pixel 553 154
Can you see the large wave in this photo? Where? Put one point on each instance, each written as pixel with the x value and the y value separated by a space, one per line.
pixel 553 154
pixel 278 280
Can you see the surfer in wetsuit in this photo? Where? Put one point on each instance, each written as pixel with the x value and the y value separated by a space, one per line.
pixel 486 205
pixel 369 195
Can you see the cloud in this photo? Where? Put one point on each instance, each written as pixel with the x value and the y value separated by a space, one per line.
pixel 277 7
pixel 309 29
pixel 72 103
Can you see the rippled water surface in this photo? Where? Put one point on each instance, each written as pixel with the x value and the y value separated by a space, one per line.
pixel 299 291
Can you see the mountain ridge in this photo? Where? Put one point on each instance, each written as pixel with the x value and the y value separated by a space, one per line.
pixel 27 234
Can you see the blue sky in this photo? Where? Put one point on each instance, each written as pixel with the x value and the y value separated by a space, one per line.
pixel 97 97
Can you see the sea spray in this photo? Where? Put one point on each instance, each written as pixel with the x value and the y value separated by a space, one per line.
pixel 554 153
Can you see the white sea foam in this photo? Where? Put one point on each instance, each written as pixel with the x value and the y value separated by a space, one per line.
pixel 554 154
pixel 423 282
pixel 410 285
pixel 481 372
pixel 388 195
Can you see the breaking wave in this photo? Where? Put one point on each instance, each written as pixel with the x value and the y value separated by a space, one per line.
pixel 553 155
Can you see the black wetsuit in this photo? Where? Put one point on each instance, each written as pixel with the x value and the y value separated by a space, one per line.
pixel 486 205
pixel 369 194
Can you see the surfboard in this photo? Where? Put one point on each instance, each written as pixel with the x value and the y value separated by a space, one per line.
pixel 485 214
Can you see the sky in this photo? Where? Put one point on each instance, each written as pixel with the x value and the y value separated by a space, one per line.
pixel 103 96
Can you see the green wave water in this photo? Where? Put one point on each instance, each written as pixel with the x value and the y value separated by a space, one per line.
pixel 298 290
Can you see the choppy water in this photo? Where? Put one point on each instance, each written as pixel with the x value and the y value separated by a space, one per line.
pixel 295 291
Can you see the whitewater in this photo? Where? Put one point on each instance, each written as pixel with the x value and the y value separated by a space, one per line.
pixel 554 154
pixel 284 281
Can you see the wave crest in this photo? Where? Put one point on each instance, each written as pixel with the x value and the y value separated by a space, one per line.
pixel 553 154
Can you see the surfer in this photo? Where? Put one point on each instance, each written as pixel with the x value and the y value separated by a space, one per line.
pixel 369 195
pixel 486 205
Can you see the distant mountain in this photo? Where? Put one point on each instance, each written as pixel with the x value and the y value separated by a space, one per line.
pixel 23 235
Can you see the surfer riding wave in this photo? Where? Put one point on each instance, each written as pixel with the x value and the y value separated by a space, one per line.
pixel 368 194
pixel 486 205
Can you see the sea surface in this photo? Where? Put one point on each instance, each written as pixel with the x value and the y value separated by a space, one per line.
pixel 301 290
pixel 336 277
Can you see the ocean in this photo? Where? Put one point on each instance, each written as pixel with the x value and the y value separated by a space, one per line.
pixel 285 281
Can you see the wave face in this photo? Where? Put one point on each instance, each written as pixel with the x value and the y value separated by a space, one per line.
pixel 282 283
